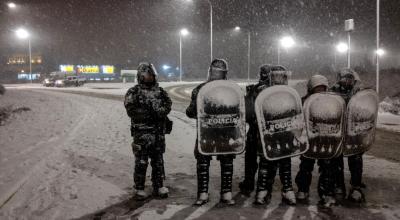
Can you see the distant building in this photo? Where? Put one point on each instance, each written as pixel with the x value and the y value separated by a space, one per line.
pixel 16 68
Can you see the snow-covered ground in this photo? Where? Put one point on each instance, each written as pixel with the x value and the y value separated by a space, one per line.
pixel 70 157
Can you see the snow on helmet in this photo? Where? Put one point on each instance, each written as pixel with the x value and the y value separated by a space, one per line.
pixel 317 80
pixel 143 68
pixel 347 72
pixel 279 75
pixel 218 70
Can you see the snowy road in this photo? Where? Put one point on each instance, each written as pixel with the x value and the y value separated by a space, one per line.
pixel 69 157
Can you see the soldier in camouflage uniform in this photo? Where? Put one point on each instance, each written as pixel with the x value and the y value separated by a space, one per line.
pixel 148 105
pixel 349 84
pixel 217 71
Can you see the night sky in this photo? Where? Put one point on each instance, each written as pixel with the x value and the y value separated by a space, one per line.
pixel 123 32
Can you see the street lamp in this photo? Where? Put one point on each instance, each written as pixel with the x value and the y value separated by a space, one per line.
pixel 24 34
pixel 341 47
pixel 237 28
pixel 11 5
pixel 211 28
pixel 380 52
pixel 183 32
pixel 285 42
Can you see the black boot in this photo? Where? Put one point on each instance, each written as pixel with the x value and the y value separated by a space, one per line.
pixel 356 195
pixel 338 170
pixel 203 165
pixel 226 179
pixel 139 177
pixel 157 176
pixel 356 170
pixel 303 177
pixel 285 174
pixel 266 176
pixel 250 168
pixel 326 184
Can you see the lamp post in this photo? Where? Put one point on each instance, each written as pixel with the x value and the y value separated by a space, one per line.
pixel 348 27
pixel 237 28
pixel 183 32
pixel 24 34
pixel 377 44
pixel 378 53
pixel 285 42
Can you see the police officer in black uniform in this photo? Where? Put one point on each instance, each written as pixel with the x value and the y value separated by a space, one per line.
pixel 148 105
pixel 266 169
pixel 348 84
pixel 316 84
pixel 218 70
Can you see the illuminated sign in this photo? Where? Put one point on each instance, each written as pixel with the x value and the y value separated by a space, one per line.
pixel 107 69
pixel 87 69
pixel 67 68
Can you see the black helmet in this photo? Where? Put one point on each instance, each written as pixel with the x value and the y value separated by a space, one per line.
pixel 279 75
pixel 347 78
pixel 218 70
pixel 146 68
pixel 264 75
pixel 348 73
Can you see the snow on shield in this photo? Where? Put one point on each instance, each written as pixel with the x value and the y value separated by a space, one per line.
pixel 221 118
pixel 362 112
pixel 281 122
pixel 324 117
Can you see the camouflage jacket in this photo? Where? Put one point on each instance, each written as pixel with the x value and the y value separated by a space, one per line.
pixel 147 107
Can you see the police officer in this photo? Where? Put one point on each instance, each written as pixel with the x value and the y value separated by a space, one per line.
pixel 148 105
pixel 218 70
pixel 316 84
pixel 348 84
pixel 269 75
pixel 253 141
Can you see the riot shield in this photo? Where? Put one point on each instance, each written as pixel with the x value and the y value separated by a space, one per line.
pixel 362 112
pixel 324 117
pixel 221 118
pixel 281 122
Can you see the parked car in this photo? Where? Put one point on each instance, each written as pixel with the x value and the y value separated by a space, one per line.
pixel 49 82
pixel 70 81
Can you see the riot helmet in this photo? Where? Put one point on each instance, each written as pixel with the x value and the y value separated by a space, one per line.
pixel 218 70
pixel 347 78
pixel 146 74
pixel 317 83
pixel 264 74
pixel 279 75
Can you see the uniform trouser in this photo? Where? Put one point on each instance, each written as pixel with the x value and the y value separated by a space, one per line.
pixel 267 172
pixel 250 164
pixel 157 165
pixel 355 163
pixel 304 176
pixel 326 181
pixel 203 174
